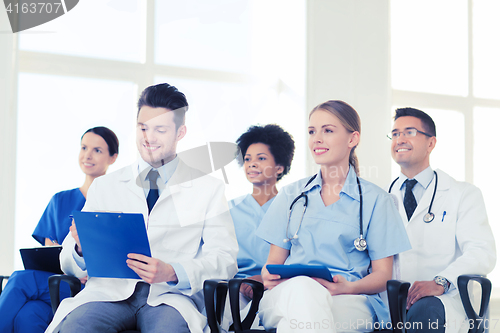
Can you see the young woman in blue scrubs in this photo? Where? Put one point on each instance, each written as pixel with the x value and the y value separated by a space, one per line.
pixel 25 301
pixel 325 234
pixel 267 153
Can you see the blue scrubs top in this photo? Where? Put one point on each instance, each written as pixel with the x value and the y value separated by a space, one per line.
pixel 55 221
pixel 327 234
pixel 247 215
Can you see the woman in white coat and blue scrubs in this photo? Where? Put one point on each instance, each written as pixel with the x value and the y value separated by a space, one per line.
pixel 340 221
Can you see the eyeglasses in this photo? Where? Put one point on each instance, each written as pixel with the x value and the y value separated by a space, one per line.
pixel 409 132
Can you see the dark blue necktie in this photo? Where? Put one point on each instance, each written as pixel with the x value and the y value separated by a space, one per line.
pixel 409 201
pixel 153 189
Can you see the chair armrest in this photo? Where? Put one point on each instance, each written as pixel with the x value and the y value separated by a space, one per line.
pixel 397 292
pixel 215 291
pixel 476 319
pixel 54 282
pixel 2 277
pixel 234 299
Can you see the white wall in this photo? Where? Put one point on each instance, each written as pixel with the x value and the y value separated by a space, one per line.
pixel 348 59
pixel 8 88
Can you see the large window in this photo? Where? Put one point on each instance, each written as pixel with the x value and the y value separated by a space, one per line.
pixel 50 124
pixel 445 61
pixel 86 68
pixel 115 30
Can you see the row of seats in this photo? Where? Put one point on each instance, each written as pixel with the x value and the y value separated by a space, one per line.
pixel 215 292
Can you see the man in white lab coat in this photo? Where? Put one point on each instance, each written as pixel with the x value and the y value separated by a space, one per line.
pixel 190 232
pixel 446 223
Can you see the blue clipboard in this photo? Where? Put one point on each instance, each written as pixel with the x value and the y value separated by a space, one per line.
pixel 289 271
pixel 107 239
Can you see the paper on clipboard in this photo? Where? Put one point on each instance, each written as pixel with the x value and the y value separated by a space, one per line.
pixel 107 238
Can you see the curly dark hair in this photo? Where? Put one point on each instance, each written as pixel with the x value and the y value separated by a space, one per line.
pixel 280 144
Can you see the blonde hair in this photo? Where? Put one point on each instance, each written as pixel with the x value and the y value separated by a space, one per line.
pixel 349 119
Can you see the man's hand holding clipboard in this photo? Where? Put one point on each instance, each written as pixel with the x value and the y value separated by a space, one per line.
pixel 115 245
pixel 151 270
pixel 74 234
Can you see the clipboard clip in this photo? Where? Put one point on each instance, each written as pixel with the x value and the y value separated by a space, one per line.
pixel 107 211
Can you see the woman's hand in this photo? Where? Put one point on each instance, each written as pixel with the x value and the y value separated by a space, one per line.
pixel 339 286
pixel 50 242
pixel 373 283
pixel 277 256
pixel 270 280
pixel 247 290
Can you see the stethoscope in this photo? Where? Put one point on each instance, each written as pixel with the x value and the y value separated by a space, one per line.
pixel 429 217
pixel 359 243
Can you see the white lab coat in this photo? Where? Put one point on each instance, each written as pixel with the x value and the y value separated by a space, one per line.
pixel 190 225
pixel 460 243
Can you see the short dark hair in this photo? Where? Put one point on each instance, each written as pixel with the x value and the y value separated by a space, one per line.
pixel 108 135
pixel 164 95
pixel 280 144
pixel 427 123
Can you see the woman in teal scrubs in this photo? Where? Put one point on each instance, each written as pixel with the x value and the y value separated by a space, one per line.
pixel 267 153
pixel 325 234
pixel 25 301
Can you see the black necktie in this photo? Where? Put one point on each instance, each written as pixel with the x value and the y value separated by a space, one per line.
pixel 153 189
pixel 409 200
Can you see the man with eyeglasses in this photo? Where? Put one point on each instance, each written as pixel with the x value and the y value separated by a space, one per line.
pixel 446 223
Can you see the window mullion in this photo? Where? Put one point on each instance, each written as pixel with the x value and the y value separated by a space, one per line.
pixel 469 108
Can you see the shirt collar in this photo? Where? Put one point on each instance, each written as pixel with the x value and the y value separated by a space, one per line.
pixel 165 171
pixel 350 187
pixel 424 178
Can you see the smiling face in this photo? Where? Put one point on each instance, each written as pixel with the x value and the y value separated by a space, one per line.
pixel 94 156
pixel 329 141
pixel 411 153
pixel 156 135
pixel 259 165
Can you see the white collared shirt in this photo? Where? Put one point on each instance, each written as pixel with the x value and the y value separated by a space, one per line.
pixel 165 173
pixel 424 179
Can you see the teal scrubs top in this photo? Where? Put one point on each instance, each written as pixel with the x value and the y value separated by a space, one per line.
pixel 326 235
pixel 56 219
pixel 247 215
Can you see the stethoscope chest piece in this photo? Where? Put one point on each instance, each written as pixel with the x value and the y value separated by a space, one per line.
pixel 360 243
pixel 429 217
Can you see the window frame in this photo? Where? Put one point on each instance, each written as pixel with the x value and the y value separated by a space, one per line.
pixel 462 104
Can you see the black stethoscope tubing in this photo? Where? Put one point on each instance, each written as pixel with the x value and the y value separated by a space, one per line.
pixel 359 243
pixel 429 217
